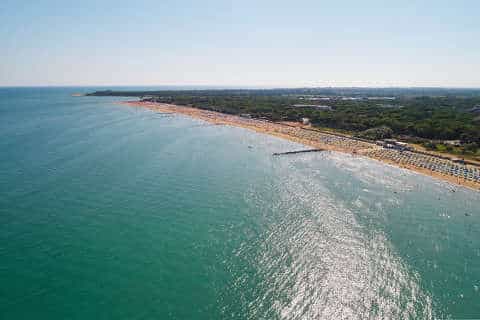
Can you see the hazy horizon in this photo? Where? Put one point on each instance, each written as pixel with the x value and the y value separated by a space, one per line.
pixel 239 87
pixel 241 44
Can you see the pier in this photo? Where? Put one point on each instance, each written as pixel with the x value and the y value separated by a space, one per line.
pixel 298 151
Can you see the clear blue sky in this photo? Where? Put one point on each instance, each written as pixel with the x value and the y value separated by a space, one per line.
pixel 239 43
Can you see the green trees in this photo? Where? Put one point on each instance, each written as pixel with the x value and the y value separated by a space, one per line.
pixel 377 133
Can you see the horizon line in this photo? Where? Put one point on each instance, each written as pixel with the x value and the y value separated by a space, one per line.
pixel 216 86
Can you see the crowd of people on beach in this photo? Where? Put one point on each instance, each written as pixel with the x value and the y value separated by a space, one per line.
pixel 435 164
pixel 402 157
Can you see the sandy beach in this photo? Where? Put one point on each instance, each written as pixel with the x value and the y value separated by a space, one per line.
pixel 321 140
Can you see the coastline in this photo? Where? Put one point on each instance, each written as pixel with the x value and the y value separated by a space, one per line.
pixel 320 140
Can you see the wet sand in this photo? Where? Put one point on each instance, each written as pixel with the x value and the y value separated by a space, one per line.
pixel 299 134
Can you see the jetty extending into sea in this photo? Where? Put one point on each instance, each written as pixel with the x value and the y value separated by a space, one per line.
pixel 297 151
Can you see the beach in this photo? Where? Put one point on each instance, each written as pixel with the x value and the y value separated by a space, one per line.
pixel 444 169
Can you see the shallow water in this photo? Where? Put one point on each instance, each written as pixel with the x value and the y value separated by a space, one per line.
pixel 108 211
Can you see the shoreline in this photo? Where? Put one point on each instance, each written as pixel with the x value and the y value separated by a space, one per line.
pixel 319 140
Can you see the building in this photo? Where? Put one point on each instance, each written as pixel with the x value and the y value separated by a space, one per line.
pixel 389 106
pixel 311 106
pixel 147 98
pixel 455 143
pixel 390 141
pixel 306 121
pixel 475 109
pixel 381 98
pixel 403 145
pixel 393 144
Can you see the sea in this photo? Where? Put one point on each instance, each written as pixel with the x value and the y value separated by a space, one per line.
pixel 114 212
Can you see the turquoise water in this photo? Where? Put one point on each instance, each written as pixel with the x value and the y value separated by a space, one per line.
pixel 112 212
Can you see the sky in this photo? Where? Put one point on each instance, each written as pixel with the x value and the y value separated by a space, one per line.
pixel 266 43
